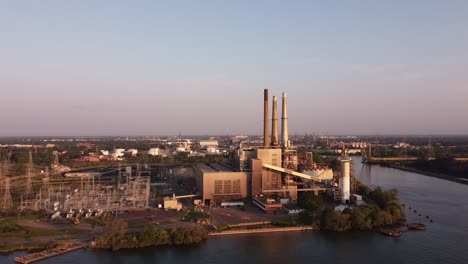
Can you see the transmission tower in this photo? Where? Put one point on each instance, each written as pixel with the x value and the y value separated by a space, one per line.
pixel 119 177
pixel 29 175
pixel 1 171
pixel 7 201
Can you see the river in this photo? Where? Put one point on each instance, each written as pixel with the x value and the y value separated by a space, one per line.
pixel 445 241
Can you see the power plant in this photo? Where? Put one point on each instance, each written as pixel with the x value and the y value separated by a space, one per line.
pixel 265 173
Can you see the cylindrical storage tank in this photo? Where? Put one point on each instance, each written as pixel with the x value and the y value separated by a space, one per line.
pixel 345 180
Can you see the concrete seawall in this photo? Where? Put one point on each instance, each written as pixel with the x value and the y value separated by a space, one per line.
pixel 262 230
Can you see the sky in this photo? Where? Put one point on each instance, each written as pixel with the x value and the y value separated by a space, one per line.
pixel 105 68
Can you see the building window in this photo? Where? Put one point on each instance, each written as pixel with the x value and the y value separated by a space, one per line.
pixel 236 186
pixel 228 186
pixel 218 187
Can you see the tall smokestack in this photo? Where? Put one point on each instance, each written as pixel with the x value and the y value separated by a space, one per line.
pixel 266 129
pixel 284 123
pixel 274 124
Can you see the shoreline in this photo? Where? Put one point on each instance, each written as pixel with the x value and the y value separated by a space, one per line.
pixel 426 173
pixel 262 230
pixel 213 234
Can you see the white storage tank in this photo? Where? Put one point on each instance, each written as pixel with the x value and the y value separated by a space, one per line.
pixel 345 177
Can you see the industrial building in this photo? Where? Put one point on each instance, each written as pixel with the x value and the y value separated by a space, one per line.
pixel 266 173
pixel 219 183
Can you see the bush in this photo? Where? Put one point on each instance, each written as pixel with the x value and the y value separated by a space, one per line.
pixel 152 236
pixel 188 236
pixel 335 221
pixel 116 236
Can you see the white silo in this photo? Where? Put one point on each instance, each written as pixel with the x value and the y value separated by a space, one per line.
pixel 345 177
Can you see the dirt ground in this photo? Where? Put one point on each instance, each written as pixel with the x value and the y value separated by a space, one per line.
pixel 163 219
pixel 234 215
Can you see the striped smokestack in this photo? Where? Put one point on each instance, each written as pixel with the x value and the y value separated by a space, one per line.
pixel 266 132
pixel 274 124
pixel 284 123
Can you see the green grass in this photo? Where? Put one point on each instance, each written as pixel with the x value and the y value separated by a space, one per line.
pixel 8 248
pixel 9 228
pixel 194 215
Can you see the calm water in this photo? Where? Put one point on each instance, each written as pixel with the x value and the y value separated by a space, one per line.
pixel 445 241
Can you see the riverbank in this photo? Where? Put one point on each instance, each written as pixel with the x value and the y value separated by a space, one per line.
pixel 431 174
pixel 30 232
pixel 50 253
pixel 262 230
pixel 9 249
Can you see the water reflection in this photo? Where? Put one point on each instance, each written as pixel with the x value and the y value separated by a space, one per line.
pixel 444 241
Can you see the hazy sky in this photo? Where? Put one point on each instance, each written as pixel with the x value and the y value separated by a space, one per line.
pixel 157 67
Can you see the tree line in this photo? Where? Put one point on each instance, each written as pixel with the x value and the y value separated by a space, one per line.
pixel 117 236
pixel 383 209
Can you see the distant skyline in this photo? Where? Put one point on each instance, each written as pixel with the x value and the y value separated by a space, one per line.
pixel 88 68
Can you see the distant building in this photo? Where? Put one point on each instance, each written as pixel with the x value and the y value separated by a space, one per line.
pixel 132 152
pixel 212 150
pixel 154 152
pixel 401 145
pixel 208 143
pixel 237 139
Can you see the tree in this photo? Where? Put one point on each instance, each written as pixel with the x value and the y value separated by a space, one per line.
pixel 116 231
pixel 335 221
pixel 152 236
pixel 360 218
pixel 311 202
pixel 187 236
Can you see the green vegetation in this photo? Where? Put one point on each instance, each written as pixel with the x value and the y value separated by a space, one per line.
pixel 187 236
pixel 223 228
pixel 285 223
pixel 196 215
pixel 444 166
pixel 117 236
pixel 11 227
pixel 6 248
pixel 383 209
pixel 26 236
